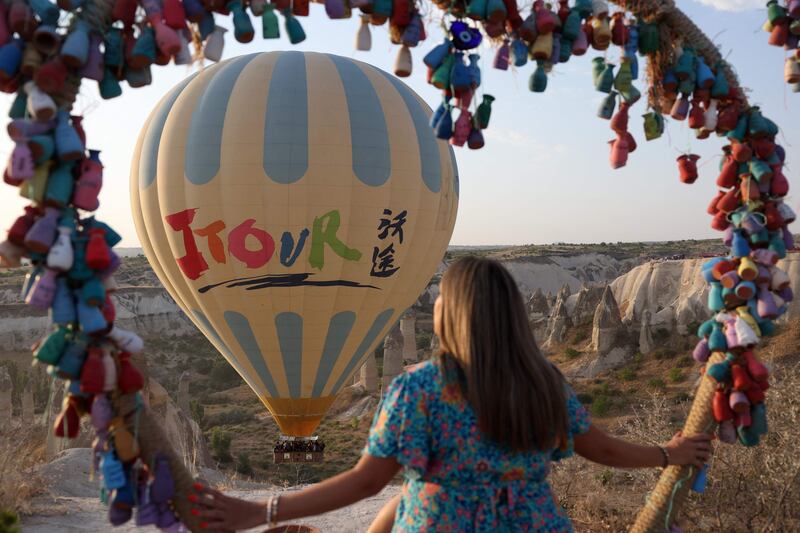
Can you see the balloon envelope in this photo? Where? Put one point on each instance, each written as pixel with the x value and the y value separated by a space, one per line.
pixel 294 205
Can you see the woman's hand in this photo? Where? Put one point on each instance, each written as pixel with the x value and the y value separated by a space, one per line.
pixel 220 512
pixel 694 450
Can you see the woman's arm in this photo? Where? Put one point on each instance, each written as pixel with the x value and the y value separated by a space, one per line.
pixel 365 479
pixel 385 519
pixel 598 446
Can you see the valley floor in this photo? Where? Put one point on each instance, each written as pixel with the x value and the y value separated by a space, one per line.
pixel 82 515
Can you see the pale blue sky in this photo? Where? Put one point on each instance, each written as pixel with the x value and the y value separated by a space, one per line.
pixel 544 174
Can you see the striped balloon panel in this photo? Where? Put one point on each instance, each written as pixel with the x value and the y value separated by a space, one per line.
pixel 277 141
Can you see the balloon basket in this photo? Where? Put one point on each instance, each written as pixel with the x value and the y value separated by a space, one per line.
pixel 299 450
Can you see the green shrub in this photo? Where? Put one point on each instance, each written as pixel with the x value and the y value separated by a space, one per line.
pixel 9 522
pixel 685 361
pixel 585 398
pixel 221 445
pixel 603 389
pixel 424 340
pixel 675 375
pixel 580 337
pixel 605 476
pixel 197 411
pixel 627 374
pixel 203 366
pixel 682 397
pixel 661 334
pixel 601 406
pixel 572 353
pixel 656 383
pixel 665 353
pixel 243 464
pixel 230 417
pixel 223 375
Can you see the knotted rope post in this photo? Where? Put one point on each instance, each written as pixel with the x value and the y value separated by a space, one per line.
pixel 153 442
pixel 672 488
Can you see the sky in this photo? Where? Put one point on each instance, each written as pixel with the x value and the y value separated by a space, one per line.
pixel 543 175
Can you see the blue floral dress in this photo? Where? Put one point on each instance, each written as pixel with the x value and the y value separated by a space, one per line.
pixel 455 480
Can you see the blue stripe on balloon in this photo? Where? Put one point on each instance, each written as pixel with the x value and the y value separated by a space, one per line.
pixel 369 136
pixel 286 122
pixel 204 143
pixel 377 326
pixel 290 339
pixel 240 327
pixel 148 158
pixel 338 331
pixel 428 145
pixel 456 184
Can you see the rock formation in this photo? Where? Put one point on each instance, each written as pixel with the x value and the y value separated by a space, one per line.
pixel 558 324
pixel 392 355
pixel 538 315
pixel 27 402
pixel 537 305
pixel 6 389
pixel 183 433
pixel 408 329
pixel 183 392
pixel 150 311
pixel 369 374
pixel 646 343
pixel 673 291
pixel 563 293
pixel 549 273
pixel 607 324
pixel 792 267
pixel 434 344
pixel 609 339
pixel 585 304
pixel 53 444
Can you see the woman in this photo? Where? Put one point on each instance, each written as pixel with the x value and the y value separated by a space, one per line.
pixel 474 429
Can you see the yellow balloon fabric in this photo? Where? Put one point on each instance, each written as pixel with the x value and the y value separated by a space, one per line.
pixel 294 205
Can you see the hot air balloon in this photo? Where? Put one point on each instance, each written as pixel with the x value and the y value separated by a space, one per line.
pixel 294 205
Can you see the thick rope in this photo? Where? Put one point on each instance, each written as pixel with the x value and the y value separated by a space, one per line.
pixel 673 486
pixel 684 29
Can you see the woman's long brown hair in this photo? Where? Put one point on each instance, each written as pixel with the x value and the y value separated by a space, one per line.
pixel 518 396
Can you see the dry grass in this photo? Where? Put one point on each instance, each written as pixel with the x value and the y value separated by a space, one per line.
pixel 21 449
pixel 748 489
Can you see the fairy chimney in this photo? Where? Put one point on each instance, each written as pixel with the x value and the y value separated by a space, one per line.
pixel 537 304
pixel 27 403
pixel 646 343
pixel 434 344
pixel 369 374
pixel 408 329
pixel 6 387
pixel 551 300
pixel 53 444
pixel 183 392
pixel 392 355
pixel 558 324
pixel 607 323
pixel 564 292
pixel 586 304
